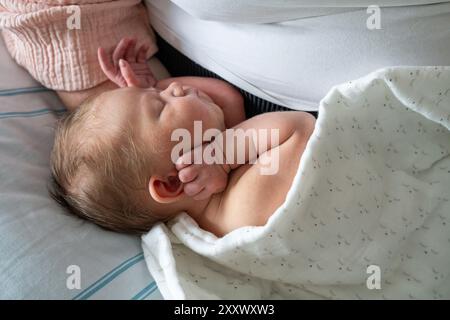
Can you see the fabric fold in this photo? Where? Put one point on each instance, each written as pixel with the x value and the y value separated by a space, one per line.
pixel 41 38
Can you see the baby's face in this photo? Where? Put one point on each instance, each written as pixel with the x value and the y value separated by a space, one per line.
pixel 154 114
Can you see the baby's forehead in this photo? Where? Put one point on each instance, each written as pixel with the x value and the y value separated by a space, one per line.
pixel 114 100
pixel 116 108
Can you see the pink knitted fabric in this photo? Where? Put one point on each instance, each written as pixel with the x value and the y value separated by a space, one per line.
pixel 38 38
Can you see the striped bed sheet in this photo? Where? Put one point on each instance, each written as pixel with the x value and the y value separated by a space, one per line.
pixel 39 241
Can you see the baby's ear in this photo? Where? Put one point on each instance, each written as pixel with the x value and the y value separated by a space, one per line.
pixel 165 189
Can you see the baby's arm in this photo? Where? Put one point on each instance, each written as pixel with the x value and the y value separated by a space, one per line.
pixel 202 180
pixel 289 126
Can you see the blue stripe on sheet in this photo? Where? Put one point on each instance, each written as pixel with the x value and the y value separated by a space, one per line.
pixel 108 277
pixel 111 275
pixel 28 114
pixel 114 273
pixel 144 293
pixel 18 91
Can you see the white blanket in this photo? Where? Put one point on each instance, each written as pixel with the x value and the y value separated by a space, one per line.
pixel 372 190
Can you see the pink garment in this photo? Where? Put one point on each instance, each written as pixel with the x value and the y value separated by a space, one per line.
pixel 37 36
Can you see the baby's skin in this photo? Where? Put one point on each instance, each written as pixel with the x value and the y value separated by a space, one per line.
pixel 250 196
pixel 220 197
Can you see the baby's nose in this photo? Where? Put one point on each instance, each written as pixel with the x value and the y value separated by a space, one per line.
pixel 176 89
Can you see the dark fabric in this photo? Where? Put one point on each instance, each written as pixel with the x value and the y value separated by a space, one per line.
pixel 179 65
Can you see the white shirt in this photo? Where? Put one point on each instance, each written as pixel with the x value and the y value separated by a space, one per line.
pixel 304 51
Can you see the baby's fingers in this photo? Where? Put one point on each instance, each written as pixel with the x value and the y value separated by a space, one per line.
pixel 184 161
pixel 120 50
pixel 130 54
pixel 193 188
pixel 142 53
pixel 188 174
pixel 105 63
pixel 109 69
pixel 128 74
pixel 202 195
pixel 194 156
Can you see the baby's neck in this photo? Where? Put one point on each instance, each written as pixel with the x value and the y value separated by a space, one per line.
pixel 207 213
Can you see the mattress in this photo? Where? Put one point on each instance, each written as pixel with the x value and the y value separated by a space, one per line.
pixel 46 253
pixel 295 62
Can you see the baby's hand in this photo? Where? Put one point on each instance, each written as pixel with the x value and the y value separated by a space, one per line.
pixel 127 67
pixel 201 180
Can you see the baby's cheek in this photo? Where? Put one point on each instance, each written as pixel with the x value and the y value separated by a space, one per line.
pixel 196 113
pixel 196 118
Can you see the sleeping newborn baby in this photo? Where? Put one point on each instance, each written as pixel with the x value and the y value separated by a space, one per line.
pixel 366 216
pixel 113 158
pixel 357 206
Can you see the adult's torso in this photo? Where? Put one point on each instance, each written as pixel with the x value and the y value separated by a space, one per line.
pixel 294 62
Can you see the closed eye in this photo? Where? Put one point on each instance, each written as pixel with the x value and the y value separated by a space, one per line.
pixel 157 104
pixel 162 107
